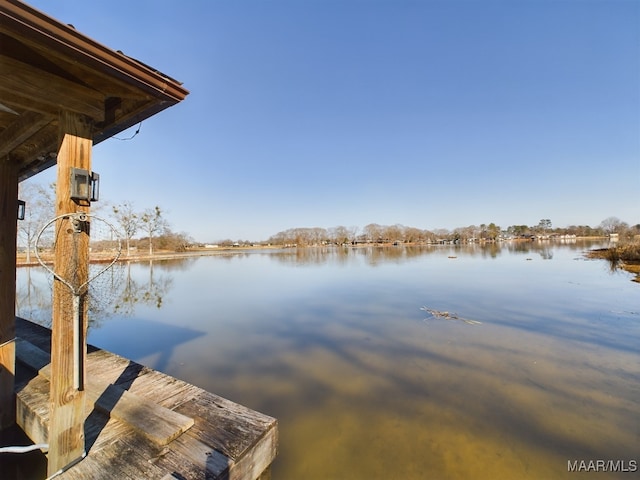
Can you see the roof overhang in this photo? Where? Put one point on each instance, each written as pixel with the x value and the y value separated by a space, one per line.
pixel 47 67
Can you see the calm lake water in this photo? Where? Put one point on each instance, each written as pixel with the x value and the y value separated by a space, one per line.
pixel 365 385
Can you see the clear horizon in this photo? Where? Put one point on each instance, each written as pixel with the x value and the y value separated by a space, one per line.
pixel 428 114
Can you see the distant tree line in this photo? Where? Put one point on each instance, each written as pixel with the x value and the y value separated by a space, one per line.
pixel 148 229
pixel 374 233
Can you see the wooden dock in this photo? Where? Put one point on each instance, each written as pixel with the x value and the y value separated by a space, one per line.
pixel 141 423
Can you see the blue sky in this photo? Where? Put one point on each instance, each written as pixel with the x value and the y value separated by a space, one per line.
pixel 432 114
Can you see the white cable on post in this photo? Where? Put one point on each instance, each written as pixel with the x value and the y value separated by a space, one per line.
pixel 25 449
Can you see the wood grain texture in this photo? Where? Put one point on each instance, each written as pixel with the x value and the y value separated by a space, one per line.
pixel 157 423
pixel 43 88
pixel 71 254
pixel 161 425
pixel 227 441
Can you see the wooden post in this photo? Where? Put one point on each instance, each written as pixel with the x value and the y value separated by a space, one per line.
pixel 71 255
pixel 8 231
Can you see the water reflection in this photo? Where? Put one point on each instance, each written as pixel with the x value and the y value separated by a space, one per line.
pixel 33 295
pixel 132 292
pixel 332 342
pixel 360 390
pixel 116 292
pixel 375 255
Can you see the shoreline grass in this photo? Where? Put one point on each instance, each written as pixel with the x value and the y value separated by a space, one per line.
pixel 626 257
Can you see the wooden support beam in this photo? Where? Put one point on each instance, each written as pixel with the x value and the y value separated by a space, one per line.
pixel 67 402
pixel 8 231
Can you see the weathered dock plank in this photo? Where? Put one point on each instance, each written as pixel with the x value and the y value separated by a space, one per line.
pixel 32 408
pixel 159 424
pixel 152 420
pixel 141 423
pixel 167 391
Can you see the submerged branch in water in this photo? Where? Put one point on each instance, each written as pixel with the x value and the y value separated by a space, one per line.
pixel 449 316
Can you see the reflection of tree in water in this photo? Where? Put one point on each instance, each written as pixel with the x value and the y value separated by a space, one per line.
pixel 398 254
pixel 310 255
pixel 175 264
pixel 34 292
pixel 115 292
pixel 374 255
pixel 33 296
pixel 344 255
pixel 524 246
pixel 545 249
pixel 150 293
pixel 490 249
pixel 546 253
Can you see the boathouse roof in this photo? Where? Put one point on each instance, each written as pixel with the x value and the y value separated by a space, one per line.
pixel 47 66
